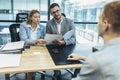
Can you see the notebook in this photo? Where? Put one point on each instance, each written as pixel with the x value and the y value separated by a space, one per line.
pixel 12 47
pixel 1 46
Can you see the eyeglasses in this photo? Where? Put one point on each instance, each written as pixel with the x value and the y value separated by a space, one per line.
pixel 57 11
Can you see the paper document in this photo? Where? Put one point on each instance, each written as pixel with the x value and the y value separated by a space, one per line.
pixel 13 46
pixel 9 60
pixel 69 34
pixel 51 37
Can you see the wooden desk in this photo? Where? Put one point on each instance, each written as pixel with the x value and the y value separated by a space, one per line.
pixel 36 59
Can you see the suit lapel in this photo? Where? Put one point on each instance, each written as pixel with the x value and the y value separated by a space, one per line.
pixel 55 27
pixel 63 26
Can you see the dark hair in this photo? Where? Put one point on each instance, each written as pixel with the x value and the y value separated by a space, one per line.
pixel 111 13
pixel 31 14
pixel 53 5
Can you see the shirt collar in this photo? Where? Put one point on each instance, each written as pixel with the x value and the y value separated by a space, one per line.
pixel 60 21
pixel 115 41
pixel 29 26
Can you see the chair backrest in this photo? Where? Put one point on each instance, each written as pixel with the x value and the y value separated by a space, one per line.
pixel 63 14
pixel 20 17
pixel 14 32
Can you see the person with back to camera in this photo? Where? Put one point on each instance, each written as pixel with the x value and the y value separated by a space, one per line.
pixel 31 31
pixel 104 64
pixel 60 25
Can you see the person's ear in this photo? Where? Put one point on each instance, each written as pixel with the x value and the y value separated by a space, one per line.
pixel 106 25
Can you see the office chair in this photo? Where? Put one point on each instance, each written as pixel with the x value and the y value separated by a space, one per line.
pixel 20 17
pixel 14 32
pixel 63 14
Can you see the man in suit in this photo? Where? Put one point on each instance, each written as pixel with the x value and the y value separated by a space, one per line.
pixel 104 64
pixel 60 25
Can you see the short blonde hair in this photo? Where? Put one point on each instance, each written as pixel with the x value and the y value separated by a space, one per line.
pixel 111 13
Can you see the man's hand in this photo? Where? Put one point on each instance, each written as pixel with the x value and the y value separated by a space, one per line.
pixel 59 42
pixel 75 57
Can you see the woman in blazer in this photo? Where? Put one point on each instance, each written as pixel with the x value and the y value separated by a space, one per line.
pixel 31 31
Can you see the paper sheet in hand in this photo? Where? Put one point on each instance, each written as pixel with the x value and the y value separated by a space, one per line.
pixel 9 60
pixel 69 34
pixel 51 37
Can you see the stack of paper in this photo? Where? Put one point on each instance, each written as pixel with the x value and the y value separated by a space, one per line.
pixel 13 47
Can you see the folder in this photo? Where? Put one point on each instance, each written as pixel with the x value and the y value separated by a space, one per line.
pixel 13 47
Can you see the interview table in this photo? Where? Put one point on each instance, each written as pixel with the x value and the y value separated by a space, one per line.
pixel 42 58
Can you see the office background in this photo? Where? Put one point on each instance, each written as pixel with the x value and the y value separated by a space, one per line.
pixel 84 13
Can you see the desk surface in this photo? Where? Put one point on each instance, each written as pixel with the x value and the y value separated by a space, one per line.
pixel 59 54
pixel 37 59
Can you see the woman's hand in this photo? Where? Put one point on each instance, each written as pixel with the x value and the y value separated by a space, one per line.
pixel 40 41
